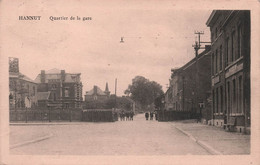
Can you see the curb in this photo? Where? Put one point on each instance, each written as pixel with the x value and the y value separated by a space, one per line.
pixel 204 145
pixel 31 141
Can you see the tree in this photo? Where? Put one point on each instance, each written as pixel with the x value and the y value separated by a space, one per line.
pixel 144 91
pixel 158 102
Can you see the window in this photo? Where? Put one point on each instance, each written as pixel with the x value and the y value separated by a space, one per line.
pixel 216 61
pixel 66 92
pixel 221 99
pixel 54 96
pixel 213 94
pixel 216 33
pixel 233 46
pixel 212 64
pixel 53 86
pixel 34 91
pixel 227 49
pixel 220 58
pixel 217 101
pixel 228 98
pixel 239 42
pixel 234 94
pixel 28 89
pixel 240 95
pixel 212 36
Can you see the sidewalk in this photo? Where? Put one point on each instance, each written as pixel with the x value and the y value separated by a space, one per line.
pixel 215 140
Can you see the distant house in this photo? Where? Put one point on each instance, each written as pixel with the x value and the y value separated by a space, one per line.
pixel 22 89
pixel 97 94
pixel 59 89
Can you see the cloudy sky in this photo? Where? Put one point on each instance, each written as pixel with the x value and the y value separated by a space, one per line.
pixel 157 37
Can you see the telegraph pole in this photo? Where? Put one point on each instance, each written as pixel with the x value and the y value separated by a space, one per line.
pixel 115 91
pixel 197 46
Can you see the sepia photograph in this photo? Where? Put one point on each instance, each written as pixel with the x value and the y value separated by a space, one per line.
pixel 146 82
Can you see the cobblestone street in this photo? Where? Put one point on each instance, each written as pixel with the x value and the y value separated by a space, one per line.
pixel 138 137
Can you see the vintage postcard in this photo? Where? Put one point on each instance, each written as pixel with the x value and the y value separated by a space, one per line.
pixel 129 82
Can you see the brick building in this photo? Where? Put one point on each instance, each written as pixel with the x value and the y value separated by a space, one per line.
pixel 59 89
pixel 230 73
pixel 22 89
pixel 190 87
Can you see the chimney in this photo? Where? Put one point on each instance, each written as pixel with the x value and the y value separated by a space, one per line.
pixel 13 65
pixel 95 90
pixel 62 72
pixel 42 76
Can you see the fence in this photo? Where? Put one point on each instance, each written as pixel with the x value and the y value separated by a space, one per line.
pixel 48 115
pixel 45 115
pixel 99 115
pixel 174 115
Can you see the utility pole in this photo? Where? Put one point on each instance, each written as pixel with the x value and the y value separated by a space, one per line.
pixel 115 91
pixel 197 47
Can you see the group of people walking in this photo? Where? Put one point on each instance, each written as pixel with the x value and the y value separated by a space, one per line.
pixel 151 115
pixel 124 116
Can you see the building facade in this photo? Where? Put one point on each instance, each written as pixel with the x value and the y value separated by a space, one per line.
pixel 59 89
pixel 230 72
pixel 22 89
pixel 190 87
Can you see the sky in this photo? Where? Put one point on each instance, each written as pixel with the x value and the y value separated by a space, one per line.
pixel 157 37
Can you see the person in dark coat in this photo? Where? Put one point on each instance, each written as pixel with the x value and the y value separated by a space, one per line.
pixel 146 115
pixel 131 115
pixel 127 115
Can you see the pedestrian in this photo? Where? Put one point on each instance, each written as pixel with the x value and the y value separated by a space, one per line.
pixel 127 115
pixel 123 116
pixel 151 115
pixel 146 115
pixel 131 115
pixel 156 116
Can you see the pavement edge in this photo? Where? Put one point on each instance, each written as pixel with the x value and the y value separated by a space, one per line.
pixel 203 144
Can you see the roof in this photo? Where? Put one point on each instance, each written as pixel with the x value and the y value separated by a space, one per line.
pixel 211 18
pixel 56 74
pixel 216 13
pixel 53 71
pixel 192 61
pixel 43 95
pixel 21 77
pixel 99 92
